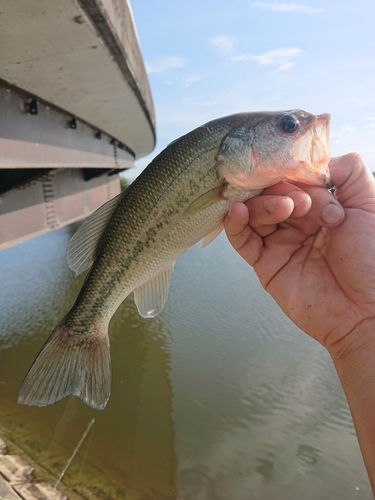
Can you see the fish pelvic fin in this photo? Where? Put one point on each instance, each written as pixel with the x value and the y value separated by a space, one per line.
pixel 150 298
pixel 69 364
pixel 214 234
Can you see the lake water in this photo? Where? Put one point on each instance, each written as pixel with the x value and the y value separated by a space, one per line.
pixel 220 397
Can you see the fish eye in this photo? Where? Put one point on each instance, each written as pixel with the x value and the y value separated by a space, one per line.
pixel 289 124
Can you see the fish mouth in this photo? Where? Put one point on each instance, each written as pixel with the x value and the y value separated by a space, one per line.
pixel 312 152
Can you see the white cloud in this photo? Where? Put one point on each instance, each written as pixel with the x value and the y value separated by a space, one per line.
pixel 288 7
pixel 191 79
pixel 347 129
pixel 224 43
pixel 370 122
pixel 344 133
pixel 283 58
pixel 278 56
pixel 284 67
pixel 164 63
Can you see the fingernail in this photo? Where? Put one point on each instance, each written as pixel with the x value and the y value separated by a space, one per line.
pixel 331 213
pixel 271 205
pixel 298 197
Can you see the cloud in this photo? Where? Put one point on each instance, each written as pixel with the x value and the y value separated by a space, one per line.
pixel 347 129
pixel 345 132
pixel 164 63
pixel 370 122
pixel 288 7
pixel 284 67
pixel 191 79
pixel 224 43
pixel 283 58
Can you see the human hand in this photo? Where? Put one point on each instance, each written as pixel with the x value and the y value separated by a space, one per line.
pixel 314 252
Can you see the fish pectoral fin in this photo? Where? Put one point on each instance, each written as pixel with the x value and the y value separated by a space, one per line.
pixel 150 298
pixel 82 246
pixel 206 200
pixel 214 234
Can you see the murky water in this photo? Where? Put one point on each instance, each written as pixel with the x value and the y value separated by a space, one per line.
pixel 218 398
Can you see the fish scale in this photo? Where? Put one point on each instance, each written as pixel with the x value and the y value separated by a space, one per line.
pixel 132 242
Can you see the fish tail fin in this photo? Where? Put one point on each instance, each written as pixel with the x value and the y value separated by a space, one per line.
pixel 69 364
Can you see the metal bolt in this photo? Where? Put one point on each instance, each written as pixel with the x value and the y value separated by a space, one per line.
pixel 73 123
pixel 33 107
pixel 79 19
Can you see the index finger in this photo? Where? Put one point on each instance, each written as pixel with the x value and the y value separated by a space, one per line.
pixel 240 235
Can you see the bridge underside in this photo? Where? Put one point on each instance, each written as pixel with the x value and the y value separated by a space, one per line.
pixel 75 110
pixel 54 169
pixel 50 201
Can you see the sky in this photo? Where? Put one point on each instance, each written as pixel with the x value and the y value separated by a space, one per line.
pixel 210 58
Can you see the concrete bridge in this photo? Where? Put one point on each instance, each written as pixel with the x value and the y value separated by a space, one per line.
pixel 75 110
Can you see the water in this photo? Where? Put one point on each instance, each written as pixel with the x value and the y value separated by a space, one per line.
pixel 218 398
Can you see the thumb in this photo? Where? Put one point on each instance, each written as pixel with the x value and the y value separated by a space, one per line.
pixel 353 181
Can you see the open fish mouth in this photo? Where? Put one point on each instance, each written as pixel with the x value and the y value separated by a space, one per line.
pixel 312 149
pixel 319 150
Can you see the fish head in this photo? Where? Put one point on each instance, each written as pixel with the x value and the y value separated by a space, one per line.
pixel 271 147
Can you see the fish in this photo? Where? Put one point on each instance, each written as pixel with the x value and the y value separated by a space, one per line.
pixel 131 243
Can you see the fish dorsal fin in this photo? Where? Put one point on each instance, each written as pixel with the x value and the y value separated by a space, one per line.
pixel 214 234
pixel 205 200
pixel 150 298
pixel 81 249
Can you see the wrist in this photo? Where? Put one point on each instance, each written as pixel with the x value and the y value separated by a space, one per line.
pixel 354 357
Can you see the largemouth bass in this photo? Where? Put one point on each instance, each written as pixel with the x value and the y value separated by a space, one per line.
pixel 132 242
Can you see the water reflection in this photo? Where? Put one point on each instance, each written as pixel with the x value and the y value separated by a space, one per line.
pixel 131 451
pixel 267 416
pixel 220 397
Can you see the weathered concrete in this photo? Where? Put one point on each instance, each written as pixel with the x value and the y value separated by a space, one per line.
pixel 53 200
pixel 14 469
pixel 74 94
pixel 83 57
pixel 6 491
pixel 51 138
pixel 16 480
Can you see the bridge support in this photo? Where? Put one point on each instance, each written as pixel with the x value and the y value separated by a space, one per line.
pixel 50 201
pixel 54 168
pixel 75 110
